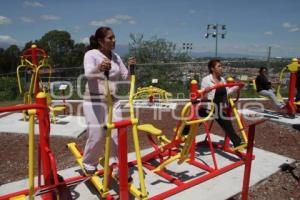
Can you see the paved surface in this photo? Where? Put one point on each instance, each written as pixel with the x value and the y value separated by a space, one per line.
pixel 273 116
pixel 218 188
pixel 68 126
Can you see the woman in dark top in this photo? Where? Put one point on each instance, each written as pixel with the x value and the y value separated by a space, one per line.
pixel 263 87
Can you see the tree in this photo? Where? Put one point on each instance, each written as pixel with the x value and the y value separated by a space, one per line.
pixel 11 55
pixel 155 50
pixel 58 45
pixel 2 60
pixel 160 52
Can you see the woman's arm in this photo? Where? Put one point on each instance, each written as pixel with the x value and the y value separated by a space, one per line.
pixel 90 66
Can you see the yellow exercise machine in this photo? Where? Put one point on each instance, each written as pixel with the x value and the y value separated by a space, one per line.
pixel 151 92
pixel 293 68
pixel 34 62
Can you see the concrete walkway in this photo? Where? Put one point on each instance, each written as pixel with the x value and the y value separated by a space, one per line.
pixel 218 188
pixel 272 115
pixel 68 126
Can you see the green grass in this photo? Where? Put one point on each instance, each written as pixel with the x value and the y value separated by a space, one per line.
pixel 10 102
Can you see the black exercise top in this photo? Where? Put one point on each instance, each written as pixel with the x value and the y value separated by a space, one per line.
pixel 220 95
pixel 262 83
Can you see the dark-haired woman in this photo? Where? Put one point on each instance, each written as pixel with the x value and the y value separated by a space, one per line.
pixel 264 87
pixel 98 59
pixel 219 97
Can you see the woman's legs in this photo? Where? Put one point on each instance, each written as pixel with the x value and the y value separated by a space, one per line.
pixel 225 124
pixel 270 94
pixel 95 114
pixel 229 130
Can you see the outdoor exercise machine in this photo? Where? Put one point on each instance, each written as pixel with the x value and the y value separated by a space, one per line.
pixel 46 161
pixel 151 93
pixel 103 186
pixel 34 61
pixel 181 148
pixel 293 69
pixel 50 185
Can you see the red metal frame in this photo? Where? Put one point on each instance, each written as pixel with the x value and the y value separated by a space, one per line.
pixel 290 105
pixel 50 172
pixel 212 171
pixel 47 159
pixel 33 52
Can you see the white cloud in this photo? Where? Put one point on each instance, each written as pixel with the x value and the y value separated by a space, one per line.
pixel 27 19
pixel 132 22
pixel 123 17
pixel 4 20
pixel 294 29
pixel 268 33
pixel 115 20
pixel 192 11
pixel 287 25
pixel 34 4
pixel 50 17
pixel 76 29
pixel 85 40
pixel 290 27
pixel 7 39
pixel 275 46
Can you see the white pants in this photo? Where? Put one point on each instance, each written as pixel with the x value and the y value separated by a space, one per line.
pixel 270 94
pixel 95 115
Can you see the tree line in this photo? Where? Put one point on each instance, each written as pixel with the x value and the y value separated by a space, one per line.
pixel 64 52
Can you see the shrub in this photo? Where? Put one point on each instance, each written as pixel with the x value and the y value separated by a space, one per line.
pixel 8 88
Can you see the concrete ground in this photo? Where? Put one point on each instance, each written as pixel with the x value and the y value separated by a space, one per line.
pixel 68 126
pixel 218 188
pixel 271 115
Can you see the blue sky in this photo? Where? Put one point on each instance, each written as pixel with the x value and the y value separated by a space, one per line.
pixel 252 26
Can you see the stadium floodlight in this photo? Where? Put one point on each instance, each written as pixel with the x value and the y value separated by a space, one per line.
pixel 216 30
pixel 187 46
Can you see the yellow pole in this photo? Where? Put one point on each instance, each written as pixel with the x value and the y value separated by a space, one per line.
pixel 136 138
pixel 43 65
pixel 238 119
pixel 107 135
pixel 278 94
pixel 31 161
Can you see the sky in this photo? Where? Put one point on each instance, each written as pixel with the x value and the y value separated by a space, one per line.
pixel 251 26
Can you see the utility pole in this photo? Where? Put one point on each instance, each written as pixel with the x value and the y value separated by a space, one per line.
pixel 269 58
pixel 216 30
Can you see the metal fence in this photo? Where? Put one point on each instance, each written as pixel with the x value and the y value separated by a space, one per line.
pixel 172 77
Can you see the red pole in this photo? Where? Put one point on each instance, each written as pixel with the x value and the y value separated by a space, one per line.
pixel 248 162
pixel 34 60
pixel 44 131
pixel 291 107
pixel 194 90
pixel 123 167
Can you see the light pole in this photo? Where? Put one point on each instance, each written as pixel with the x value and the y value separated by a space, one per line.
pixel 216 30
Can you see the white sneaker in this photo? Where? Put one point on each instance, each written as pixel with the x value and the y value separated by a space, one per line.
pixel 116 175
pixel 89 169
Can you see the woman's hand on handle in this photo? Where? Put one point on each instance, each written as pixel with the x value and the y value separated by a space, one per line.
pixel 131 61
pixel 105 65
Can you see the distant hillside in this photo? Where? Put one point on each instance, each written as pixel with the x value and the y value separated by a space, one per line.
pixel 224 55
pixel 122 49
